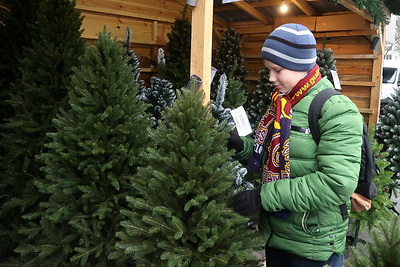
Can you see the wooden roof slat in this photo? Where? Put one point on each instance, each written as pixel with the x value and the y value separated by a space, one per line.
pixel 136 9
pixel 357 83
pixel 366 110
pixel 345 33
pixel 251 11
pixel 266 3
pixel 355 56
pixel 305 7
pixel 220 21
pixel 255 29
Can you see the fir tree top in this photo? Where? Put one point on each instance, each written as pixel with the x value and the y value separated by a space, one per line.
pixel 177 68
pixel 230 60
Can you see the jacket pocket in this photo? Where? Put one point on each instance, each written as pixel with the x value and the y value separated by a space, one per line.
pixel 309 223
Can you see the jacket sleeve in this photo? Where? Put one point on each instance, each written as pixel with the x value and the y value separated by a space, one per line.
pixel 337 168
pixel 247 149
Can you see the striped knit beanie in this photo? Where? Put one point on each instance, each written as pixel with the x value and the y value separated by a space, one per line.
pixel 291 46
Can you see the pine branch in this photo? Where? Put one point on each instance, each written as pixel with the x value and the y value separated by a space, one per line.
pixel 383 247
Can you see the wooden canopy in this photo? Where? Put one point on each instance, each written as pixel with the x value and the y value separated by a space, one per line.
pixel 348 31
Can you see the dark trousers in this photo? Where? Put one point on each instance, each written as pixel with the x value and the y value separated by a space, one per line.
pixel 280 258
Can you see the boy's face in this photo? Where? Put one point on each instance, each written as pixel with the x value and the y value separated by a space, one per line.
pixel 283 79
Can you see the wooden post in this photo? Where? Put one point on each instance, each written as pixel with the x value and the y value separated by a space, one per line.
pixel 375 100
pixel 201 44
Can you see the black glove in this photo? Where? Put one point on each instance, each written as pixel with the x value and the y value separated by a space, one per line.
pixel 247 202
pixel 235 142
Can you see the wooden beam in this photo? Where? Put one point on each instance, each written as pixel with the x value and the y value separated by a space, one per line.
pixel 366 111
pixel 340 23
pixel 200 57
pixel 220 22
pixel 355 56
pixel 142 30
pixel 357 83
pixel 349 4
pixel 305 7
pixel 165 13
pixel 255 29
pixel 246 24
pixel 345 33
pixel 228 7
pixel 308 21
pixel 251 11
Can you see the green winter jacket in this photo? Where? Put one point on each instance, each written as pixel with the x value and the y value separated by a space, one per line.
pixel 323 177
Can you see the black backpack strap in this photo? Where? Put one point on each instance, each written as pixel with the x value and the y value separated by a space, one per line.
pixel 314 112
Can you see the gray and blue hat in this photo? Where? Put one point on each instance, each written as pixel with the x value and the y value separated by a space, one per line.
pixel 291 46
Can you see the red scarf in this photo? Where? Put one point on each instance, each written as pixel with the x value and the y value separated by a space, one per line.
pixel 274 128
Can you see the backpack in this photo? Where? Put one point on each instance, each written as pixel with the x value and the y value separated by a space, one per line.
pixel 366 189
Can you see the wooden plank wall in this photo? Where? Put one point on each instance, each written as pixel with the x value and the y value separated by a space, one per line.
pixel 149 21
pixel 348 34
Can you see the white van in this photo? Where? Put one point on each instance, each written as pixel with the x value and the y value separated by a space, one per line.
pixel 390 79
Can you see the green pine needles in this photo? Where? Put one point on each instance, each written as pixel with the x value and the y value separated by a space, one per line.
pixel 235 95
pixel 388 133
pixel 260 99
pixel 160 94
pixel 230 60
pixel 383 248
pixel 177 69
pixel 326 62
pixel 38 93
pixel 381 204
pixel 17 18
pixel 95 148
pixel 374 7
pixel 180 214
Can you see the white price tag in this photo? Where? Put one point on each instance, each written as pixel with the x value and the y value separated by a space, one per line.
pixel 336 81
pixel 242 122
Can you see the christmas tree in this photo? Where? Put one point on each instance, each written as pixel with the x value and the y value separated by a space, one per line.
pixel 17 18
pixel 388 134
pixel 383 248
pixel 38 94
pixel 235 94
pixel 177 69
pixel 180 213
pixel 326 62
pixel 229 60
pixel 381 204
pixel 160 94
pixel 96 146
pixel 260 99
